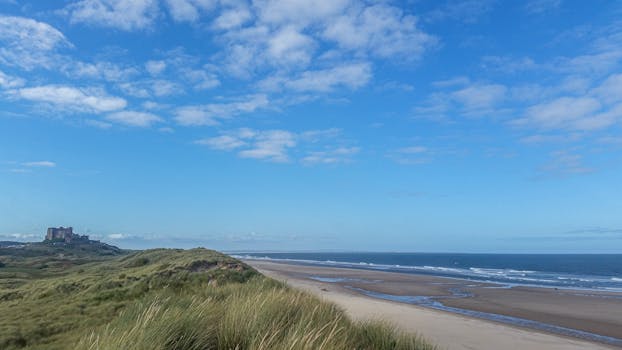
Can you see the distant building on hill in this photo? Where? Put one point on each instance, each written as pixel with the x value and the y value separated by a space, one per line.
pixel 64 234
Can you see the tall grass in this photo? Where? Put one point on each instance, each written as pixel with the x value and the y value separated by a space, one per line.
pixel 167 299
pixel 260 315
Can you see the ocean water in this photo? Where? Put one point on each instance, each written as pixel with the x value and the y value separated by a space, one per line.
pixel 577 271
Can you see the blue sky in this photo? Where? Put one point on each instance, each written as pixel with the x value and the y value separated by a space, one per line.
pixel 475 126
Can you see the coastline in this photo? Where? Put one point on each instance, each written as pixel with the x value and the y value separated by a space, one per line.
pixel 360 293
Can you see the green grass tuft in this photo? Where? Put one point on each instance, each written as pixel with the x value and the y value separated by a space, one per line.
pixel 169 299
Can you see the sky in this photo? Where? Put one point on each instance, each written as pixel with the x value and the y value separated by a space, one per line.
pixel 423 126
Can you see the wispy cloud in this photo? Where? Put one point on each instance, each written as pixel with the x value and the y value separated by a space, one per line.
pixel 564 163
pixel 98 70
pixel 478 99
pixel 124 15
pixel 149 88
pixel 379 30
pixel 28 44
pixel 189 10
pixel 8 81
pixel 270 145
pixel 462 97
pixel 71 98
pixel 40 164
pixel 20 237
pixel 349 75
pixel 297 50
pixel 224 142
pixel 331 156
pixel 212 113
pixel 600 108
pixel 274 145
pixel 134 118
pixel 29 167
pixel 412 155
pixel 551 138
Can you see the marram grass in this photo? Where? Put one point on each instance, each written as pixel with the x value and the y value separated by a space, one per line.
pixel 178 300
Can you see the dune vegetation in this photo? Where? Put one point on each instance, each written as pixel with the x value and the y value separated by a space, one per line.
pixel 167 299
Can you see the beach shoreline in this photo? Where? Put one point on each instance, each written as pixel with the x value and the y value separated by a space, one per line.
pixel 352 289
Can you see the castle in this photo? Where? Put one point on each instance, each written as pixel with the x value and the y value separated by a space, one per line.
pixel 65 234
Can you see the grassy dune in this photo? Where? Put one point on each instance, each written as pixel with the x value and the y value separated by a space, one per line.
pixel 168 299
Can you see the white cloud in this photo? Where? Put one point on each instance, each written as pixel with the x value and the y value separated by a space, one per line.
pixel 223 142
pixel 155 67
pixel 352 75
pixel 19 31
pixel 120 14
pixel 509 64
pixel 40 164
pixel 8 81
pixel 98 124
pixel 611 140
pixel 412 155
pixel 611 89
pixel 151 105
pixel 381 30
pixel 133 118
pixel 302 12
pixel 290 37
pixel 435 108
pixel 563 163
pixel 20 236
pixel 591 64
pixel 460 96
pixel 163 87
pixel 413 150
pixel 209 114
pixel 232 18
pixel 270 145
pixel 189 10
pixel 318 135
pixel 562 112
pixel 288 46
pixel 71 98
pixel 599 108
pixel 479 98
pixel 554 138
pixel 334 156
pixel 151 87
pixel 273 145
pixel 201 79
pixel 20 170
pixel 107 71
pixel 28 44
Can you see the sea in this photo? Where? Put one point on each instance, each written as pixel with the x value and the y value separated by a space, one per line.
pixel 599 272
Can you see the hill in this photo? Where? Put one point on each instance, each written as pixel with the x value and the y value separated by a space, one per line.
pixel 76 297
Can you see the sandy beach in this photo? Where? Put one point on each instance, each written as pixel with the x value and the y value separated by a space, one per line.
pixel 599 313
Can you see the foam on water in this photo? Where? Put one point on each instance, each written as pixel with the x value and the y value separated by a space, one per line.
pixel 504 276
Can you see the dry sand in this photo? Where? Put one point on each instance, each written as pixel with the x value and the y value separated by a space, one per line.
pixel 451 331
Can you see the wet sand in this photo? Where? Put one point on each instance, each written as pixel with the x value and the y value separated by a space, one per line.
pixel 593 312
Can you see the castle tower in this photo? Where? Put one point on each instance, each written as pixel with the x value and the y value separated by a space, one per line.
pixel 59 233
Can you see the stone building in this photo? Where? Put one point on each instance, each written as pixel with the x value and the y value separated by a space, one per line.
pixel 59 233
